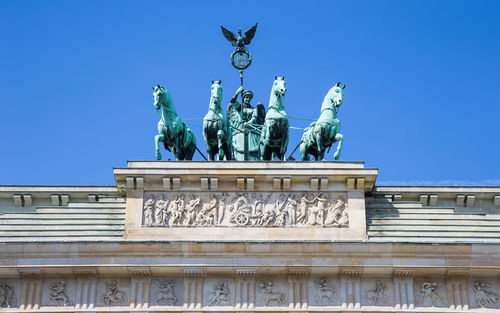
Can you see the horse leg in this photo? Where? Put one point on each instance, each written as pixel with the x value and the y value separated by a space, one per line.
pixel 158 138
pixel 220 145
pixel 190 147
pixel 340 138
pixel 303 152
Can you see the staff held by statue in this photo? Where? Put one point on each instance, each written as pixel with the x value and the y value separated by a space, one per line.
pixel 241 59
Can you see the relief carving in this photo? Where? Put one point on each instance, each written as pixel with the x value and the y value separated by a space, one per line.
pixel 244 209
pixel 220 294
pixel 113 295
pixel 166 293
pixel 6 295
pixel 430 296
pixel 378 295
pixel 326 292
pixel 270 295
pixel 58 295
pixel 484 295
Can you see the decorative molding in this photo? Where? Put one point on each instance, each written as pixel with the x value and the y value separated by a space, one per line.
pixel 139 271
pixel 193 272
pixel 30 274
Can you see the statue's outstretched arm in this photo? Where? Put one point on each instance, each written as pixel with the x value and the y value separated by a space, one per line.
pixel 235 96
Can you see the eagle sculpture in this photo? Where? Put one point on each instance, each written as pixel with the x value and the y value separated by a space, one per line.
pixel 241 41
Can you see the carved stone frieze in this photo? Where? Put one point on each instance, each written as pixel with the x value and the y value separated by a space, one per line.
pixel 251 209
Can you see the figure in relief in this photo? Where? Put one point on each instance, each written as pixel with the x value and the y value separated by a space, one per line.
pixel 161 212
pixel 316 213
pixel 271 296
pixel 241 213
pixel 324 132
pixel 336 214
pixel 6 295
pixel 291 208
pixel 220 294
pixel 302 214
pixel 166 293
pixel 326 293
pixel 279 210
pixel 378 295
pixel 113 295
pixel 484 295
pixel 430 296
pixel 191 211
pixel 206 216
pixel 58 296
pixel 149 212
pixel 177 208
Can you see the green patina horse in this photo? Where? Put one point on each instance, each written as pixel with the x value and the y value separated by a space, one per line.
pixel 324 132
pixel 274 136
pixel 171 130
pixel 216 129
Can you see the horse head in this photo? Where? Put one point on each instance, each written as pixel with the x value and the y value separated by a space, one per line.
pixel 334 97
pixel 216 94
pixel 278 91
pixel 279 86
pixel 161 97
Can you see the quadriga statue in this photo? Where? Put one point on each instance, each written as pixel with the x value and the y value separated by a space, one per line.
pixel 216 129
pixel 274 136
pixel 171 130
pixel 324 132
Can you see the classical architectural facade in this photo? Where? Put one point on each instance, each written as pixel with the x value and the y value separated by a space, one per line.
pixel 249 237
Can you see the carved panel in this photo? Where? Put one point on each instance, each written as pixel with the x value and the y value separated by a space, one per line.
pixel 255 209
pixel 272 292
pixel 377 292
pixel 431 293
pixel 59 292
pixel 113 292
pixel 484 293
pixel 10 294
pixel 166 291
pixel 218 292
pixel 324 291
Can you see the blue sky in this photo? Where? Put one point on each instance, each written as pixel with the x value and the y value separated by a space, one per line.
pixel 422 101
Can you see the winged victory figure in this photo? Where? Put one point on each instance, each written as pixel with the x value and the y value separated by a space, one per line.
pixel 240 41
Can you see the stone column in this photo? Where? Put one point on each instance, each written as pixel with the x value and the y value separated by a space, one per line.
pixel 31 290
pixel 403 290
pixel 86 288
pixel 458 297
pixel 193 288
pixel 140 288
pixel 245 288
pixel 297 289
pixel 350 289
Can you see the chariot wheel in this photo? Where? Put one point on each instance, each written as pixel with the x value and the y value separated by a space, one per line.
pixel 241 219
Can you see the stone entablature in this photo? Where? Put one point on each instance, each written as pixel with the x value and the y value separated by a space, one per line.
pixel 245 200
pixel 183 276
